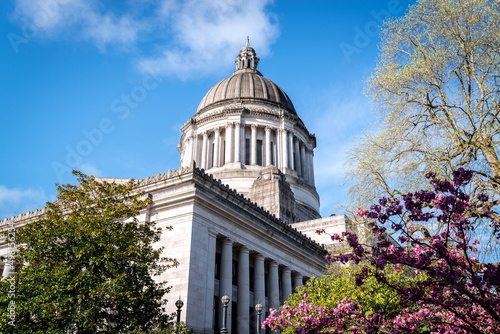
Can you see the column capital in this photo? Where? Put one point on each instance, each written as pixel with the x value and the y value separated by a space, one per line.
pixel 227 241
pixel 259 256
pixel 217 130
pixel 237 124
pixel 243 249
pixel 253 126
pixel 229 125
pixel 205 134
pixel 268 129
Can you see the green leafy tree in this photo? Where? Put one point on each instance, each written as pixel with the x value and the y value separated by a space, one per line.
pixel 88 265
pixel 436 89
pixel 319 296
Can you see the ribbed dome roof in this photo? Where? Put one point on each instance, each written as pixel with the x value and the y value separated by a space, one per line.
pixel 246 84
pixel 251 87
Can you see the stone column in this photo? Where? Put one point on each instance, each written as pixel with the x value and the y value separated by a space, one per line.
pixel 268 146
pixel 253 145
pixel 204 151
pixel 217 148
pixel 290 150
pixel 226 277
pixel 243 291
pixel 284 146
pixel 303 163
pixel 297 158
pixel 189 150
pixel 311 166
pixel 192 147
pixel 297 280
pixel 184 153
pixel 229 143
pixel 259 281
pixel 274 285
pixel 286 283
pixel 237 142
pixel 197 150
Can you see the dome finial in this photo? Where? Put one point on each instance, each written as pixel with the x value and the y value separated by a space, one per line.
pixel 246 59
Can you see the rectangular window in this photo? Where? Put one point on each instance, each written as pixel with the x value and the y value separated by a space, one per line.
pixel 247 151
pixel 266 284
pixel 235 272
pixel 272 162
pixel 217 265
pixel 252 279
pixel 211 162
pixel 259 152
pixel 223 155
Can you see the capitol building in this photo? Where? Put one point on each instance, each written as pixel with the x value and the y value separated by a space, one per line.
pixel 242 205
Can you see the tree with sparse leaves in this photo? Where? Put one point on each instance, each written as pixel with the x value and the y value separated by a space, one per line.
pixel 88 264
pixel 437 91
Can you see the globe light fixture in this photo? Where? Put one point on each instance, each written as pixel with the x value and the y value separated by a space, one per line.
pixel 225 301
pixel 259 308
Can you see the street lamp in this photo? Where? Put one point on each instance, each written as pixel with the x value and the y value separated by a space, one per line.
pixel 179 303
pixel 225 301
pixel 258 308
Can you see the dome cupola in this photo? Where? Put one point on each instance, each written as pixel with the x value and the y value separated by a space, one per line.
pixel 247 124
pixel 247 60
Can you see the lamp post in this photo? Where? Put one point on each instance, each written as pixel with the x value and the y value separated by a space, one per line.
pixel 225 301
pixel 258 308
pixel 179 303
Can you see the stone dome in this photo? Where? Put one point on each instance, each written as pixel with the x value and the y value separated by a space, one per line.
pixel 248 85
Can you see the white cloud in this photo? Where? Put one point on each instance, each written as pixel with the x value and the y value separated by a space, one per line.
pixel 14 201
pixel 204 30
pixel 77 19
pixel 89 169
pixel 190 34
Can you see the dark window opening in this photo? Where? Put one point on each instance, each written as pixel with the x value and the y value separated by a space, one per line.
pixel 252 279
pixel 217 265
pixel 272 155
pixel 247 151
pixel 259 153
pixel 235 272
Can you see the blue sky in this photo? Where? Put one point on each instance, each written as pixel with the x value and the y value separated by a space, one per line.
pixel 104 86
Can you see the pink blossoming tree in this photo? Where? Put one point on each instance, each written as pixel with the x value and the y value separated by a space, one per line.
pixel 455 293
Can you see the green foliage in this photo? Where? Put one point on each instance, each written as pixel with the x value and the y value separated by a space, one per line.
pixel 340 283
pixel 89 264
